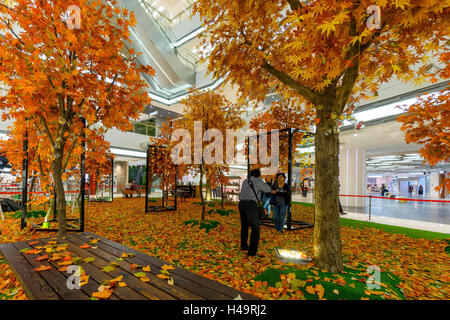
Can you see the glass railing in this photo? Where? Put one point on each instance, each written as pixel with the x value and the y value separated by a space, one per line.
pixel 165 21
pixel 147 128
pixel 190 59
pixel 166 24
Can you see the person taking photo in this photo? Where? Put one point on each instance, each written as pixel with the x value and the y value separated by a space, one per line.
pixel 248 210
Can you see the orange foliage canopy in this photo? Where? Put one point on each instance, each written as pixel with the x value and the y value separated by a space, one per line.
pixel 303 48
pixel 215 112
pixel 427 123
pixel 58 75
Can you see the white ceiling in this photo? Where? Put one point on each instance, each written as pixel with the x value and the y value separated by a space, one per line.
pixel 383 138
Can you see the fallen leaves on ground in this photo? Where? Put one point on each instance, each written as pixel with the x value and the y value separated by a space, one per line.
pixel 420 264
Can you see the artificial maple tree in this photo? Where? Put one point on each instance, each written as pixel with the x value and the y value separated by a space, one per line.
pixel 427 122
pixel 212 111
pixel 331 54
pixel 160 162
pixel 69 80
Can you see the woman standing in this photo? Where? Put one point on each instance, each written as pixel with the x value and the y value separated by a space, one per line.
pixel 280 190
pixel 265 199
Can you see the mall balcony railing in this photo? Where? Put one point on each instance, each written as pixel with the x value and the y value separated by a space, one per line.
pixel 166 24
pixel 145 129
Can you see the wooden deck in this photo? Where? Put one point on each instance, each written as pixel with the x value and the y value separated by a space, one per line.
pixel 52 284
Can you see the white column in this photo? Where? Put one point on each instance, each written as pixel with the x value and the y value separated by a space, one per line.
pixel 352 176
pixel 434 182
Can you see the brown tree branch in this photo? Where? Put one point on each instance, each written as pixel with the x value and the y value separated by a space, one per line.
pixel 294 4
pixel 69 154
pixel 290 82
pixel 112 83
pixel 351 73
pixel 47 131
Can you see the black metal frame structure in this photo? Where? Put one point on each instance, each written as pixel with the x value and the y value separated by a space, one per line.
pixel 291 224
pixel 111 186
pixel 148 174
pixel 82 191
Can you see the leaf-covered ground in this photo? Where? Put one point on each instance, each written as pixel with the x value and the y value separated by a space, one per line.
pixel 410 268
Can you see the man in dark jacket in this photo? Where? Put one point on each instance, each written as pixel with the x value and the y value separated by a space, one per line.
pixel 248 210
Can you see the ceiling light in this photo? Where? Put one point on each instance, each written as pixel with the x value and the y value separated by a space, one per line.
pixel 384 111
pixel 131 153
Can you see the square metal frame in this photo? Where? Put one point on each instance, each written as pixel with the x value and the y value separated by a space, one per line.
pixel 291 224
pixel 148 173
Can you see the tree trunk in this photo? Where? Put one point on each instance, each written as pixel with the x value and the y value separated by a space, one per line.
pixel 50 210
pixel 201 192
pixel 221 195
pixel 60 196
pixel 33 181
pixel 327 238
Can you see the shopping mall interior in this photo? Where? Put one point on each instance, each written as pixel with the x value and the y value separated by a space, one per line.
pixel 383 179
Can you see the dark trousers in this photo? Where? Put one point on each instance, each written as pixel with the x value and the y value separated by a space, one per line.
pixel 248 211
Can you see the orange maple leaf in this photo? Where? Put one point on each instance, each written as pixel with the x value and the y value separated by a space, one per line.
pixel 42 268
pixel 44 257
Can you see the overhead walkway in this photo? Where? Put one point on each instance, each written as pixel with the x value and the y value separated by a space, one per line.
pixel 176 70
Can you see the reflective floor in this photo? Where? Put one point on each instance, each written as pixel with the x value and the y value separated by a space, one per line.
pixel 413 210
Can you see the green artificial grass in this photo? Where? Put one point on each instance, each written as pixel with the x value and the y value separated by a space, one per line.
pixel 207 225
pixel 30 214
pixel 413 233
pixel 305 204
pixel 350 285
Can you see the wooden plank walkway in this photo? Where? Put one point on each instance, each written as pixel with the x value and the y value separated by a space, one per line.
pixel 51 284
